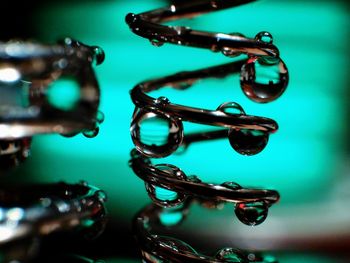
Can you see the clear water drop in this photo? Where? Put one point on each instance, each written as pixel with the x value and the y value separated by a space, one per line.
pixel 264 79
pixel 231 108
pixel 252 213
pixel 102 196
pixel 231 185
pixel 229 255
pixel 162 100
pixel 156 42
pixel 131 18
pixel 166 197
pixel 100 117
pixel 228 52
pixel 265 37
pixel 248 142
pixel 69 135
pixel 91 133
pixel 98 55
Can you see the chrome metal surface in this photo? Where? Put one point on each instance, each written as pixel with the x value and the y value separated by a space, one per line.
pixel 260 50
pixel 28 212
pixel 194 187
pixel 37 66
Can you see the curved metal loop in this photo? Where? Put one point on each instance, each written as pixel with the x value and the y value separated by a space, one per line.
pixel 195 188
pixel 198 115
pixel 31 67
pixel 33 211
pixel 148 25
pixel 156 247
pixel 247 134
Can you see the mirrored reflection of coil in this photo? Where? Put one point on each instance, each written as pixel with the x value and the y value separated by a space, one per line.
pixel 156 247
pixel 247 134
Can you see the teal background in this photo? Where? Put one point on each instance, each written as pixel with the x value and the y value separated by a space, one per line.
pixel 305 160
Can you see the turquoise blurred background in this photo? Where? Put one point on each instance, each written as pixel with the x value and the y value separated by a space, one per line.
pixel 305 160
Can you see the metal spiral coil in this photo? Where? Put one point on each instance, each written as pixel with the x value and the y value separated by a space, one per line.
pixel 247 134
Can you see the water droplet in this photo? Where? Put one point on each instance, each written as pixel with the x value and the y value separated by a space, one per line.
pixel 131 18
pixel 231 185
pixel 135 154
pixel 231 108
pixel 100 117
pixel 248 142
pixel 91 133
pixel 102 196
pixel 263 82
pixel 229 255
pixel 83 183
pixel 66 41
pixel 265 37
pixel 69 135
pixel 156 42
pixel 252 213
pixel 98 55
pixel 166 197
pixel 229 52
pixel 162 100
pixel 156 134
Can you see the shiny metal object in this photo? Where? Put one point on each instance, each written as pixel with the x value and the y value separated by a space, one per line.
pixel 260 51
pixel 261 48
pixel 156 248
pixel 28 212
pixel 170 177
pixel 34 67
pixel 147 107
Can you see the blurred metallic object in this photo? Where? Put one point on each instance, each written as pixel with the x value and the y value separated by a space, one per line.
pixel 32 67
pixel 30 212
